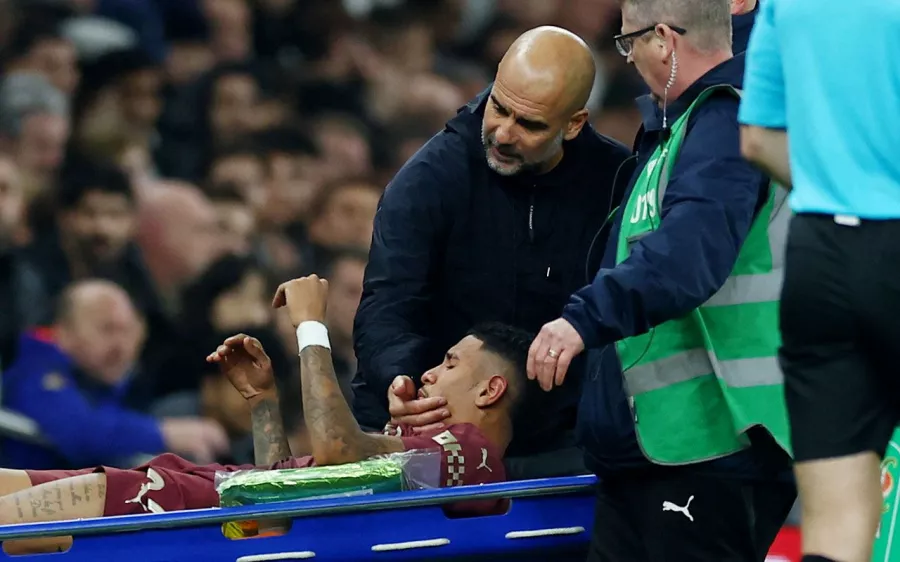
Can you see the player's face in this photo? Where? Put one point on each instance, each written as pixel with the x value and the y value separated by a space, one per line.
pixel 467 379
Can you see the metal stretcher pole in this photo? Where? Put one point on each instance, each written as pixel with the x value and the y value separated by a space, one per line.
pixel 302 508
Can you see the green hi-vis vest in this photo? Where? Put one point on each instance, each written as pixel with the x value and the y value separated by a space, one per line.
pixel 698 383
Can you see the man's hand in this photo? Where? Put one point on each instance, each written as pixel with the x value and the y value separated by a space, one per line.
pixel 201 440
pixel 422 414
pixel 552 351
pixel 305 299
pixel 244 361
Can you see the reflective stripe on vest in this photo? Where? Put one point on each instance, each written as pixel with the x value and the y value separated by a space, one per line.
pixel 694 363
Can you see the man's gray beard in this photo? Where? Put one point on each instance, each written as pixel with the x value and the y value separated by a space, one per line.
pixel 519 169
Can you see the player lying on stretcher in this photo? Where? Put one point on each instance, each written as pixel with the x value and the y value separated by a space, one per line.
pixel 482 379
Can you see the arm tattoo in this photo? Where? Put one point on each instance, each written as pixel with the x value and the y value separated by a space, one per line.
pixel 336 437
pixel 270 443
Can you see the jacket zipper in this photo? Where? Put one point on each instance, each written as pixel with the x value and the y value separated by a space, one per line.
pixel 531 218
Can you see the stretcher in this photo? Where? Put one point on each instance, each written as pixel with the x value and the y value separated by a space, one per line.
pixel 548 519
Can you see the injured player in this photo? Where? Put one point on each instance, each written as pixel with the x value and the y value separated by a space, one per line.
pixel 482 379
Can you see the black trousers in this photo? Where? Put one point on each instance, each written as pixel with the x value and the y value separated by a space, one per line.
pixel 676 515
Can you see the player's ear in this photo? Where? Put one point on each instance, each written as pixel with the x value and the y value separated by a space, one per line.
pixel 492 390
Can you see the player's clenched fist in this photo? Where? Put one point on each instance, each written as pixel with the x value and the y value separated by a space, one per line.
pixel 305 298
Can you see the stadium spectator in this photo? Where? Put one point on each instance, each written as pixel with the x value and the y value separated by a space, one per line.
pixel 345 285
pixel 16 298
pixel 237 223
pixel 38 46
pixel 71 383
pixel 93 238
pixel 34 128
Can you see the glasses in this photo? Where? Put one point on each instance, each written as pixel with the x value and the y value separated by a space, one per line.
pixel 625 42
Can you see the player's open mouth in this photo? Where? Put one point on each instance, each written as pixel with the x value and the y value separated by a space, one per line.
pixel 422 393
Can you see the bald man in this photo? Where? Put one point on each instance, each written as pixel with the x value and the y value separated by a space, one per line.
pixel 178 233
pixel 71 379
pixel 492 219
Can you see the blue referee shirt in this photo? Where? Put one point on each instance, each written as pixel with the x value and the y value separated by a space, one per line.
pixel 829 73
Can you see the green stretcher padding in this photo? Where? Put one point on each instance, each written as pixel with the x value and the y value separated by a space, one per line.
pixel 373 476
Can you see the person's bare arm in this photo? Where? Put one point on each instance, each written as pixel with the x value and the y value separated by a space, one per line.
pixel 244 361
pixel 335 436
pixel 768 149
pixel 270 442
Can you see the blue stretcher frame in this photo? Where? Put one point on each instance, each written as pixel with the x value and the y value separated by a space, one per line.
pixel 548 519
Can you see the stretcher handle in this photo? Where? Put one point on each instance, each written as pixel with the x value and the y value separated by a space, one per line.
pixel 303 508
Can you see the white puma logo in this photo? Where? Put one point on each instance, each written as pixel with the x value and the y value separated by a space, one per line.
pixel 669 506
pixel 155 484
pixel 484 456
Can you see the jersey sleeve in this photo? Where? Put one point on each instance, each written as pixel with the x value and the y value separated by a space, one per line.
pixel 467 457
pixel 763 101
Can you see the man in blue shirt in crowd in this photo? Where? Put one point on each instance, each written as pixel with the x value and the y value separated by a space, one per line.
pixel 820 114
pixel 71 380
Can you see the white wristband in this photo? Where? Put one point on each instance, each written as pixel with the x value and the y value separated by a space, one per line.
pixel 312 333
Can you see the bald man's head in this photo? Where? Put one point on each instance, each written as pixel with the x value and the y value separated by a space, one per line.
pixel 538 100
pixel 178 232
pixel 552 64
pixel 99 328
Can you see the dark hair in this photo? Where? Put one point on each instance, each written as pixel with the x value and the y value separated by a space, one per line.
pixel 512 345
pixel 225 274
pixel 86 176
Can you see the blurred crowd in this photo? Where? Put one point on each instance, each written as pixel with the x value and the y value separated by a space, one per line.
pixel 165 164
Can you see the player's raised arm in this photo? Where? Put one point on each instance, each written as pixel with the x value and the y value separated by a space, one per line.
pixel 244 361
pixel 335 436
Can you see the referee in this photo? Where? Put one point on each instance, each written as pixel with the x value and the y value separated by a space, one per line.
pixel 823 84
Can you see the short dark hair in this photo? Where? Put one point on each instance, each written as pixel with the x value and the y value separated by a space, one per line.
pixel 510 344
pixel 84 177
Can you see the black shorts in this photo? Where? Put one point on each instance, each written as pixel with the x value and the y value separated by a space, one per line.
pixel 840 326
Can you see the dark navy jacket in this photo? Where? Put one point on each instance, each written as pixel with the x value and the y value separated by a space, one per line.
pixel 456 244
pixel 741 26
pixel 711 200
pixel 82 420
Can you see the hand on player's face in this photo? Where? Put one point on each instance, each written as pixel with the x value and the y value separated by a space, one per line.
pixel 423 414
pixel 305 298
pixel 244 361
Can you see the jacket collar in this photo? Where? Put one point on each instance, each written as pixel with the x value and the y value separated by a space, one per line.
pixel 728 72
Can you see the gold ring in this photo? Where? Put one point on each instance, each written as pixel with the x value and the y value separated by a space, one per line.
pixel 553 353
